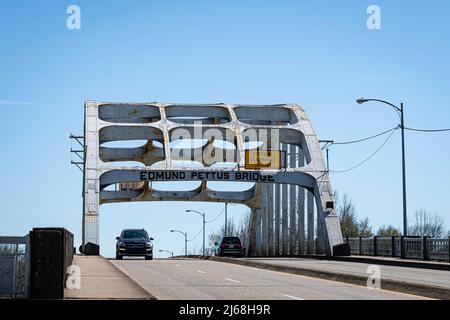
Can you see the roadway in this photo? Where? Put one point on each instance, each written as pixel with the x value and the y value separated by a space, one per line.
pixel 439 278
pixel 194 279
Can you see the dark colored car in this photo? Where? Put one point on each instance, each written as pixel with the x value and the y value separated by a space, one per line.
pixel 134 242
pixel 229 246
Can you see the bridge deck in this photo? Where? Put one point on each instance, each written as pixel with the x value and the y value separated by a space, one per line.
pixel 211 280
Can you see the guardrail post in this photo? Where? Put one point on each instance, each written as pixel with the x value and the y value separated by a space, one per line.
pixel 375 245
pixel 361 251
pixel 425 248
pixel 402 247
pixel 394 247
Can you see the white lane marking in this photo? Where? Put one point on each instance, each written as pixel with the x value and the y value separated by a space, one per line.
pixel 200 271
pixel 292 297
pixel 177 265
pixel 228 279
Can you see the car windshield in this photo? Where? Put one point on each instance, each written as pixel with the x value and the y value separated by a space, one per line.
pixel 231 240
pixel 134 234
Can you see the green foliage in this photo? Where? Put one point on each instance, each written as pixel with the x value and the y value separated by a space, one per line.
pixel 388 231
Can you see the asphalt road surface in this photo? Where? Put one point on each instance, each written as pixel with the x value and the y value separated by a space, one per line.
pixel 416 275
pixel 210 280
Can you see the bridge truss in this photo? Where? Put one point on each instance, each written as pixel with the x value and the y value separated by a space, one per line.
pixel 292 208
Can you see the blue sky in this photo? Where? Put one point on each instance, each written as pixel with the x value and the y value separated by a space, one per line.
pixel 320 55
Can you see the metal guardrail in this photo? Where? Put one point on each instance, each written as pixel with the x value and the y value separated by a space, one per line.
pixel 14 266
pixel 438 249
pixel 424 248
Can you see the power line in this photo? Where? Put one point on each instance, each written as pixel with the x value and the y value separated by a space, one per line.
pixel 196 235
pixel 427 130
pixel 367 159
pixel 223 210
pixel 365 139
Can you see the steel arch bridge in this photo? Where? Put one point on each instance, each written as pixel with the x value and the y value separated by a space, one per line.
pixel 292 208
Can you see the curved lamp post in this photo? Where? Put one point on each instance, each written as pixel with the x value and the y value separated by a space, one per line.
pixel 203 216
pixel 399 111
pixel 185 240
pixel 169 252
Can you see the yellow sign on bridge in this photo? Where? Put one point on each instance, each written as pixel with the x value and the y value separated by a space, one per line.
pixel 263 159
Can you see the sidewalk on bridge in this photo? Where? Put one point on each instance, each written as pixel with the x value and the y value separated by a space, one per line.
pixel 419 281
pixel 100 279
pixel 397 262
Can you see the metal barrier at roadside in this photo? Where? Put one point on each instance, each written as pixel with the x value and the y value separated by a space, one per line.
pixel 414 247
pixel 14 266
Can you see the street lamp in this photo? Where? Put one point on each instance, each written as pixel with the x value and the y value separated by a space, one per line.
pixel 399 111
pixel 203 216
pixel 169 252
pixel 185 240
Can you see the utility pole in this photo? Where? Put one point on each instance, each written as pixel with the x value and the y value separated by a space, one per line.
pixel 328 161
pixel 405 224
pixel 185 240
pixel 226 222
pixel 402 126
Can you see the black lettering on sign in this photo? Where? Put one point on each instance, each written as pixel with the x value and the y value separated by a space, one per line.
pixel 195 175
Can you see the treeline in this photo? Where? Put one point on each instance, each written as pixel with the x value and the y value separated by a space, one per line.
pixel 424 224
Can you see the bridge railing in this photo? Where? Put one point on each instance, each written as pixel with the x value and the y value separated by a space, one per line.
pixel 14 267
pixel 411 247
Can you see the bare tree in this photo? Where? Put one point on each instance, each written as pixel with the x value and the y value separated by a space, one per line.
pixel 364 228
pixel 348 217
pixel 351 226
pixel 239 229
pixel 428 224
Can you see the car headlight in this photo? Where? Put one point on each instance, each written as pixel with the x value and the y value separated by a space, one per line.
pixel 148 245
pixel 122 245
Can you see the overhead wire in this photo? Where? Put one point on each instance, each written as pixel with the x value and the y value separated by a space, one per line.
pixel 427 130
pixel 195 237
pixel 217 217
pixel 368 158
pixel 364 139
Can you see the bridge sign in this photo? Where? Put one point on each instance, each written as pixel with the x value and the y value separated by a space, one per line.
pixel 264 159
